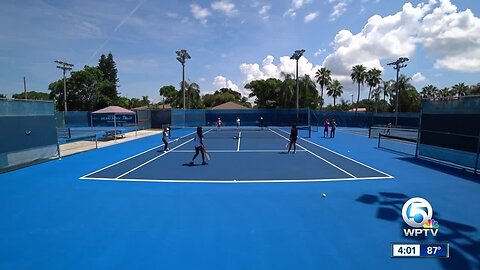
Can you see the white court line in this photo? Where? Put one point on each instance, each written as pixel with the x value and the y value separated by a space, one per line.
pixel 163 154
pixel 159 156
pixel 234 151
pixel 358 162
pixel 237 181
pixel 330 163
pixel 141 153
pixel 239 137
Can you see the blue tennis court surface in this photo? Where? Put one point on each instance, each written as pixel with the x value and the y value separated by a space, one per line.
pixel 244 156
pixel 132 206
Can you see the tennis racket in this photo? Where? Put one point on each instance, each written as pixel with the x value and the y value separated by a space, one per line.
pixel 206 153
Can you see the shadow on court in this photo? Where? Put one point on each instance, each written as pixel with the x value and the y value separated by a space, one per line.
pixel 464 250
pixel 457 172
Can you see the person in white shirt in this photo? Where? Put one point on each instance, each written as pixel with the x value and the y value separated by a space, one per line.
pixel 238 122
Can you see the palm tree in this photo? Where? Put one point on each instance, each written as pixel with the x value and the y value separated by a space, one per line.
pixel 308 93
pixel 429 91
pixel 287 90
pixel 358 76
pixel 403 85
pixel 373 79
pixel 323 78
pixel 444 93
pixel 387 88
pixel 460 89
pixel 334 89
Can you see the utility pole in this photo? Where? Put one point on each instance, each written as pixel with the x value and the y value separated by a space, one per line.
pixel 64 66
pixel 182 56
pixel 296 55
pixel 25 87
pixel 397 65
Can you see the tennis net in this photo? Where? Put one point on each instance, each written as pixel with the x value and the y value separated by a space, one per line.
pixel 231 132
pixel 397 144
pixel 408 133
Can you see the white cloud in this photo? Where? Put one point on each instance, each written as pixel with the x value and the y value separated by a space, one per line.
pixel 311 16
pixel 200 13
pixel 319 52
pixel 338 10
pixel 172 14
pixel 264 11
pixel 299 3
pixel 222 82
pixel 418 77
pixel 226 7
pixel 452 36
pixel 296 4
pixel 290 12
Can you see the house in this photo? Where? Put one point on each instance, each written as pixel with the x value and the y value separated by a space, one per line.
pixel 230 106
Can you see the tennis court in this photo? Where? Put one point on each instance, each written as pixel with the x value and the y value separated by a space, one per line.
pixel 132 206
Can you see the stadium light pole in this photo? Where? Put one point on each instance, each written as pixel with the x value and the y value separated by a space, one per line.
pixel 182 56
pixel 397 65
pixel 296 55
pixel 64 66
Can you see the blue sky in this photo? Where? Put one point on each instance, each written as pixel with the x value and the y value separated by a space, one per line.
pixel 233 42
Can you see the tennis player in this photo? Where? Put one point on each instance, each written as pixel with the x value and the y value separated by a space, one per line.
pixel 238 122
pixel 333 128
pixel 325 130
pixel 293 139
pixel 219 123
pixel 199 146
pixel 166 134
pixel 261 122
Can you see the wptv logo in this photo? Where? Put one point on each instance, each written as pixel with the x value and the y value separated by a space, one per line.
pixel 417 213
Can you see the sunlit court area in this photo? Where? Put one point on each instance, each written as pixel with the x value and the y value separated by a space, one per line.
pixel 226 134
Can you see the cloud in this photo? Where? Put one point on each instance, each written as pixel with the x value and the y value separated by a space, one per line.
pixel 264 11
pixel 200 13
pixel 454 37
pixel 296 4
pixel 418 77
pixel 128 16
pixel 319 52
pixel 172 14
pixel 300 3
pixel 311 16
pixel 222 82
pixel 338 10
pixel 225 7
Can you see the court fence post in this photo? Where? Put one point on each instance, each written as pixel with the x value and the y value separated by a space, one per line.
pixel 478 153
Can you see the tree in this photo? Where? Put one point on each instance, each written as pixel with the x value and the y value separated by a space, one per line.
pixel 108 67
pixel 308 93
pixel 287 91
pixel 222 96
pixel 373 79
pixel 192 95
pixel 324 78
pixel 2 96
pixel 335 89
pixel 460 89
pixel 429 92
pixel 474 89
pixel 387 88
pixel 32 95
pixel 358 76
pixel 404 85
pixel 83 90
pixel 265 91
pixel 444 93
pixel 169 93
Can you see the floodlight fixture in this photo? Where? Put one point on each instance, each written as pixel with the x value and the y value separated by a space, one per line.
pixel 297 55
pixel 397 65
pixel 182 56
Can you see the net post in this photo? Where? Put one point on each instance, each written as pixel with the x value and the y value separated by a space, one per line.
pixel 419 130
pixel 379 136
pixel 96 142
pixel 369 131
pixel 478 153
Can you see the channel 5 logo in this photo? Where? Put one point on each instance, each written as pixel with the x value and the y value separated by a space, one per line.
pixel 417 213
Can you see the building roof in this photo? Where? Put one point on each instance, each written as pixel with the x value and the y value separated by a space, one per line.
pixel 114 110
pixel 230 106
